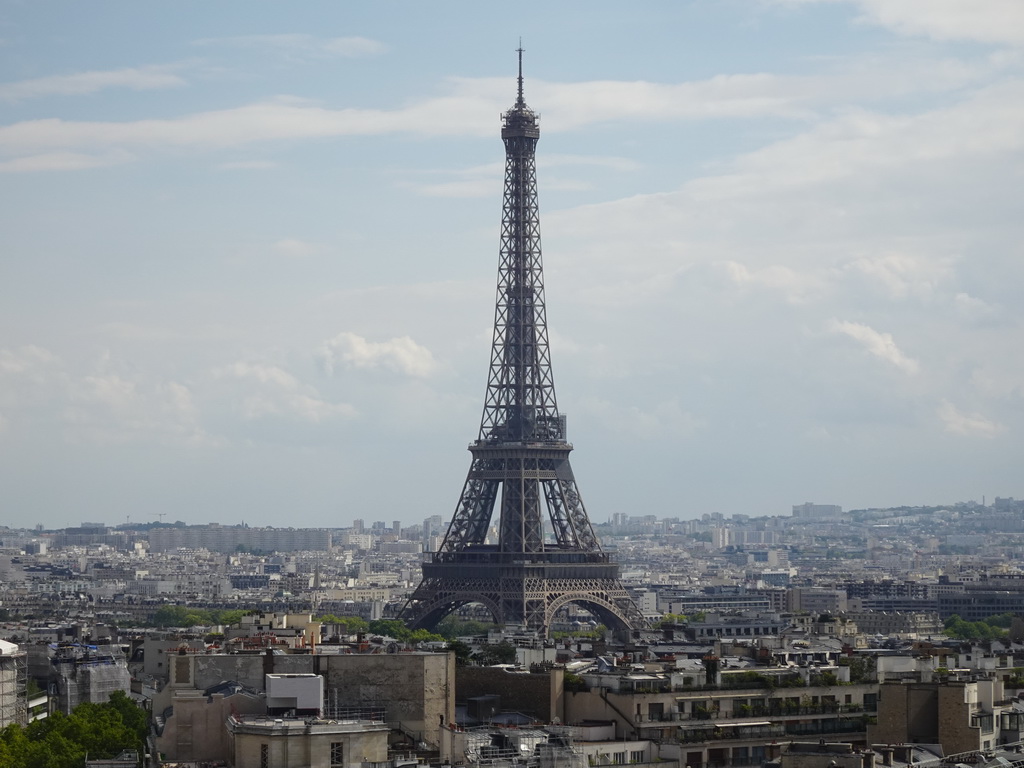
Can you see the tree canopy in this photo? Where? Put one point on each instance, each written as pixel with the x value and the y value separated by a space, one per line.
pixel 351 625
pixel 986 629
pixel 64 741
pixel 184 616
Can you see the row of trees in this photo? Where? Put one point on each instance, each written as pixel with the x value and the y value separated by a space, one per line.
pixel 352 625
pixel 182 616
pixel 992 628
pixel 492 653
pixel 65 741
pixel 448 629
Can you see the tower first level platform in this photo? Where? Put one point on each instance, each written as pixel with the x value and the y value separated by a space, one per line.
pixel 527 589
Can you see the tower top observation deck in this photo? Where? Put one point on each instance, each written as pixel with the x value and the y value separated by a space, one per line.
pixel 520 120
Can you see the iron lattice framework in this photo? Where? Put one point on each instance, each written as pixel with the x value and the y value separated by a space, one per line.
pixel 521 449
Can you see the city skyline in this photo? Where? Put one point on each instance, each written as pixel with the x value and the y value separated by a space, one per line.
pixel 249 270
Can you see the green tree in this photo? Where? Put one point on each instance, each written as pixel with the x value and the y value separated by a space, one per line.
pixel 461 650
pixel 181 616
pixel 423 636
pixel 574 683
pixel 451 626
pixel 351 624
pixel 497 653
pixel 134 717
pixel 227 617
pixel 960 629
pixel 63 741
pixel 1002 620
pixel 826 678
pixel 390 628
pixel 862 668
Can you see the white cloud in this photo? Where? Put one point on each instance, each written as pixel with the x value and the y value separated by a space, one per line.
pixel 63 161
pixel 999 378
pixel 260 122
pixel 879 344
pixel 973 424
pixel 29 378
pixel 901 274
pixel 274 391
pixel 469 107
pixel 80 83
pixel 475 181
pixel 860 144
pixel 482 180
pixel 986 21
pixel 27 360
pixel 109 408
pixel 572 105
pixel 354 46
pixel 302 45
pixel 862 195
pixel 113 407
pixel 972 308
pixel 400 354
pixel 796 286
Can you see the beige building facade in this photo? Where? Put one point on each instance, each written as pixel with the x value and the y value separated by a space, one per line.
pixel 296 743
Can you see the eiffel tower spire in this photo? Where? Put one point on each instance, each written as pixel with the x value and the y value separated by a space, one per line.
pixel 521 450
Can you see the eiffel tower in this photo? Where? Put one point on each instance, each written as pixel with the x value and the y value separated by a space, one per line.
pixel 526 577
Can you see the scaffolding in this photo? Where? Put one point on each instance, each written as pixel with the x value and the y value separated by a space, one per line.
pixel 550 747
pixel 337 707
pixel 87 673
pixel 13 685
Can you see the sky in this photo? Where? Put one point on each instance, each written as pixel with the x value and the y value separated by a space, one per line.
pixel 249 253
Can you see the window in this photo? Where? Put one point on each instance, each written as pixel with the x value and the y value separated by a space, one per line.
pixel 636 756
pixel 264 756
pixel 619 758
pixel 337 754
pixel 984 720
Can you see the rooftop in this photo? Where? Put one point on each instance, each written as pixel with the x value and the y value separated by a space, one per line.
pixel 285 726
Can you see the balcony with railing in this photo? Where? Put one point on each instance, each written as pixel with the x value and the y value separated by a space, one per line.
pixel 758 712
pixel 732 731
pixel 764 731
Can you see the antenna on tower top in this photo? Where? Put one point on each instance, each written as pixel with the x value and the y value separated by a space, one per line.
pixel 519 50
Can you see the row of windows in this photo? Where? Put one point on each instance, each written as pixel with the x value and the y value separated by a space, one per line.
pixel 739 631
pixel 337 755
pixel 619 758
